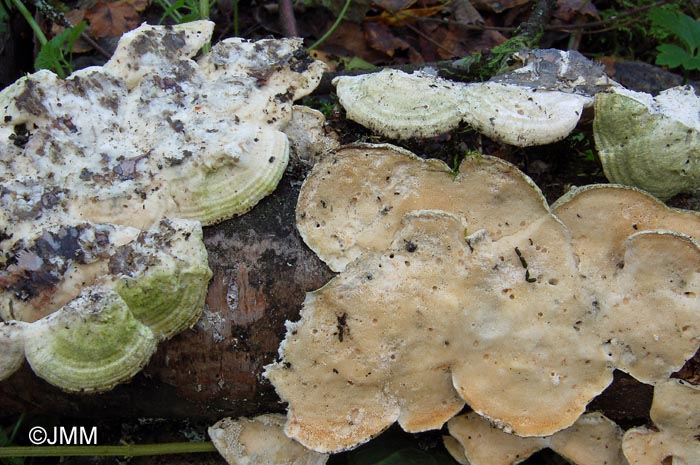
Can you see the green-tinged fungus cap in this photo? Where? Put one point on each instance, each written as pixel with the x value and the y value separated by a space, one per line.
pixel 260 441
pixel 167 294
pixel 90 345
pixel 650 143
pixel 401 105
pixel 157 278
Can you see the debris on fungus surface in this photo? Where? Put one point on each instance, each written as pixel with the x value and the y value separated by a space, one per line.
pixel 592 440
pixel 673 439
pixel 650 142
pixel 537 104
pixel 472 297
pixel 260 441
pixel 97 298
pixel 152 133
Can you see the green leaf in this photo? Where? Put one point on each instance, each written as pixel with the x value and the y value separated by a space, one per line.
pixel 679 24
pixel 672 56
pixel 4 19
pixel 52 55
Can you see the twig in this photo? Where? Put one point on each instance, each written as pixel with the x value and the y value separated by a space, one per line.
pixel 550 27
pixel 611 20
pixel 429 39
pixel 59 18
pixel 287 19
pixel 540 16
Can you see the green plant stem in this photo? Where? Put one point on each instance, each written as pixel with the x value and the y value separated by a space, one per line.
pixel 333 27
pixel 204 14
pixel 128 450
pixel 30 20
pixel 235 18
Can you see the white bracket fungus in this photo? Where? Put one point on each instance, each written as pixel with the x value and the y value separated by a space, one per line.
pixel 592 440
pixel 96 167
pixel 11 347
pixel 675 412
pixel 651 143
pixel 152 133
pixel 538 104
pixel 260 441
pixel 479 300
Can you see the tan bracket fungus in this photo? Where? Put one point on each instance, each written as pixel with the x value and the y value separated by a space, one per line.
pixel 675 412
pixel 481 302
pixel 650 142
pixel 592 440
pixel 614 228
pixel 537 104
pixel 260 441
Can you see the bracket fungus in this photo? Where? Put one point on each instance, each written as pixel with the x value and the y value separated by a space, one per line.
pixel 260 441
pixel 104 174
pixel 592 440
pixel 650 142
pixel 11 347
pixel 675 412
pixel 537 104
pixel 165 137
pixel 465 288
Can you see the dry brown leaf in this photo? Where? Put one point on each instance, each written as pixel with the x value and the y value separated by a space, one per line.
pixel 499 6
pixel 139 5
pixel 567 10
pixel 394 5
pixel 75 17
pixel 112 19
pixel 381 38
pixel 349 40
pixel 403 17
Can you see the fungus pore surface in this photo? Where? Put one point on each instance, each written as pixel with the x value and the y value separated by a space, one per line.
pixel 592 440
pixel 464 287
pixel 260 441
pixel 675 412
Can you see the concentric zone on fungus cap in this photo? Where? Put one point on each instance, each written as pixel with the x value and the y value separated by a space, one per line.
pixel 482 303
